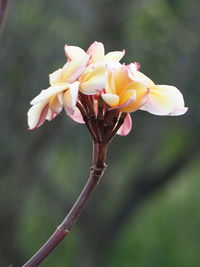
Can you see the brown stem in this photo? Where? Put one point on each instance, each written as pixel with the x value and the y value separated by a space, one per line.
pixel 95 152
pixel 118 125
pixel 87 121
pixel 89 116
pixel 97 170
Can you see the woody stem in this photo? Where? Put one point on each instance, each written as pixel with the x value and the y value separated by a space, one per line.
pixel 97 170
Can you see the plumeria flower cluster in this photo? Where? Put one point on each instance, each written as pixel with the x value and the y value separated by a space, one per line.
pixel 96 89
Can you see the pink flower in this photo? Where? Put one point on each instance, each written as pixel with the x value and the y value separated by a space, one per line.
pixel 95 88
pixel 66 82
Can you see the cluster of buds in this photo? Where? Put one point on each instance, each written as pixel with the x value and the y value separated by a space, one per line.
pixel 96 89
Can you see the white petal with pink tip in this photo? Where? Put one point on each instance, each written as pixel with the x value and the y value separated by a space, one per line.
pixel 73 52
pixel 73 69
pixel 165 100
pixel 34 115
pixel 76 116
pixel 96 50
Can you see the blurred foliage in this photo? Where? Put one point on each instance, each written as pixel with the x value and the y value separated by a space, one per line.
pixel 145 212
pixel 167 233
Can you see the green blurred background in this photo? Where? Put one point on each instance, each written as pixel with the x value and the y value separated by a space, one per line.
pixel 145 212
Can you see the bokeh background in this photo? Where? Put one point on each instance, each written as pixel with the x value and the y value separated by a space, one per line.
pixel 145 211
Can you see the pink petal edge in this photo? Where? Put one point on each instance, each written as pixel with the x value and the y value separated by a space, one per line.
pixel 126 126
pixel 128 102
pixel 41 118
pixel 76 116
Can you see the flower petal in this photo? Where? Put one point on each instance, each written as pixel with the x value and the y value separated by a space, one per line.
pixel 115 55
pixel 126 95
pixel 37 115
pixel 96 51
pixel 121 79
pixel 94 77
pixel 178 111
pixel 73 69
pixel 60 98
pixel 55 105
pixel 111 99
pixel 138 76
pixel 55 77
pixel 50 115
pixel 47 93
pixel 76 116
pixel 93 80
pixel 73 52
pixel 110 82
pixel 70 98
pixel 137 65
pixel 165 100
pixel 126 126
pixel 124 105
pixel 138 92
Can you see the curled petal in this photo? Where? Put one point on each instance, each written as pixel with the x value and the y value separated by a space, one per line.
pixel 76 116
pixel 130 93
pixel 73 69
pixel 37 115
pixel 50 115
pixel 49 92
pixel 55 105
pixel 126 126
pixel 121 79
pixel 165 100
pixel 60 98
pixel 94 78
pixel 139 95
pixel 124 105
pixel 93 85
pixel 73 52
pixel 96 51
pixel 70 98
pixel 103 64
pixel 55 77
pixel 110 82
pixel 137 65
pixel 178 111
pixel 111 99
pixel 93 81
pixel 138 76
pixel 116 55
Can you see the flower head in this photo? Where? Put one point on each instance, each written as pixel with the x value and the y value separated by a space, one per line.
pixel 96 89
pixel 66 82
pixel 122 92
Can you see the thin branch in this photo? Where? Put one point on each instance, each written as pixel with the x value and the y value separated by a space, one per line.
pixel 95 175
